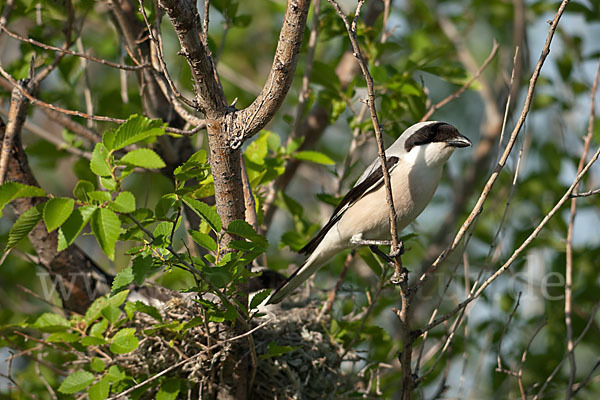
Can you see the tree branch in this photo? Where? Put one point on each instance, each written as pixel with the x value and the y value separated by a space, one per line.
pixel 187 23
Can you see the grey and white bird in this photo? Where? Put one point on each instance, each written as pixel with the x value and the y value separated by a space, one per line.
pixel 415 162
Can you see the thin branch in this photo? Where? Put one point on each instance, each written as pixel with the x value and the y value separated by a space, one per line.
pixel 464 87
pixel 524 357
pixel 557 368
pixel 16 117
pixel 510 317
pixel 496 173
pixel 38 102
pixel 569 244
pixel 254 117
pixel 586 194
pixel 73 53
pixel 187 23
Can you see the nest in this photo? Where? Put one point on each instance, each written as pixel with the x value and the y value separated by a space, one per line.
pixel 310 371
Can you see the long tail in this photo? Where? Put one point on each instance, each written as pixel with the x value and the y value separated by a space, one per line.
pixel 326 249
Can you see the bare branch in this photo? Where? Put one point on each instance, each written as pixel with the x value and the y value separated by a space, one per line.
pixel 496 173
pixel 187 23
pixel 253 118
pixel 569 244
pixel 38 102
pixel 73 53
pixel 464 87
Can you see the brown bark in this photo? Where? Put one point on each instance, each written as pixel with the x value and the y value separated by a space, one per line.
pixel 82 279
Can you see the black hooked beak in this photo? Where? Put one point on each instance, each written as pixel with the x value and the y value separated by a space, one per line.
pixel 459 141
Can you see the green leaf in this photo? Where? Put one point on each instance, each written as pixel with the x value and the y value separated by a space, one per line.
pixel 23 225
pixel 99 195
pixel 203 240
pixel 135 129
pixel 106 227
pixel 63 337
pixel 115 374
pixel 164 205
pixel 122 280
pixel 259 297
pixel 99 162
pixel 81 190
pixel 93 341
pixel 313 156
pixel 99 327
pixel 76 382
pixel 245 230
pixel 57 211
pixel 144 308
pixel 123 203
pixel 14 190
pixel 108 183
pixel 99 390
pixel 97 364
pixel 111 313
pixel 169 389
pixel 71 228
pixel 208 213
pixel 124 341
pixel 276 350
pixel 93 311
pixel 49 322
pixel 142 267
pixel 144 158
pixel 118 298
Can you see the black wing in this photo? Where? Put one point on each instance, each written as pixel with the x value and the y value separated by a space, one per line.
pixel 369 184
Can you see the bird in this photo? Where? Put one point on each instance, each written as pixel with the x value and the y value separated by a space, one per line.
pixel 415 162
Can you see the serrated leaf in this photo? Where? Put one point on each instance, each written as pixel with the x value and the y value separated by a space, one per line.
pixel 56 212
pixel 99 327
pixel 144 308
pixel 203 240
pixel 14 190
pixel 93 341
pixel 23 225
pixel 164 205
pixel 106 226
pixel 259 297
pixel 142 266
pixel 99 390
pixel 111 313
pixel 71 228
pixel 108 183
pixel 123 203
pixel 63 337
pixel 124 341
pixel 76 382
pixel 208 213
pixel 49 322
pixel 122 280
pixel 93 311
pixel 99 164
pixel 313 156
pixel 169 389
pixel 245 230
pixel 144 158
pixel 81 190
pixel 135 129
pixel 99 195
pixel 97 364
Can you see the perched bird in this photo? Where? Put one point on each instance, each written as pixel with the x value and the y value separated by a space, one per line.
pixel 414 161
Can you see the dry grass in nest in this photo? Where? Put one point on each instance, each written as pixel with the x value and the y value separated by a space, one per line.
pixel 310 371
